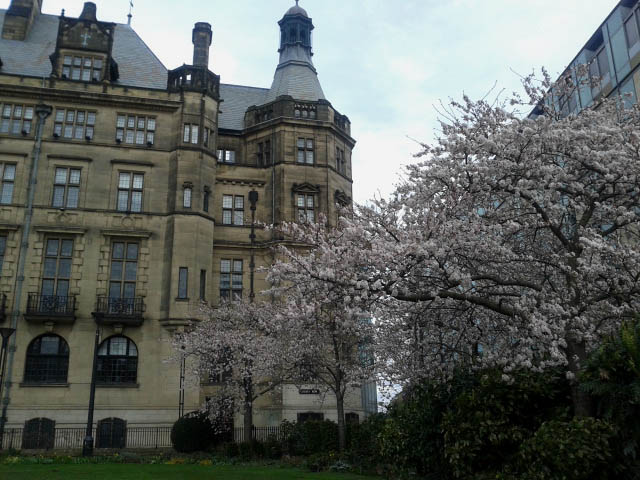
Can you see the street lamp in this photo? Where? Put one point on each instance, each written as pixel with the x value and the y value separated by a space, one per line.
pixel 6 334
pixel 253 200
pixel 87 444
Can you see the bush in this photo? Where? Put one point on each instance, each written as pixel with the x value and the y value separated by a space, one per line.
pixel 486 425
pixel 314 436
pixel 579 449
pixel 363 439
pixel 192 433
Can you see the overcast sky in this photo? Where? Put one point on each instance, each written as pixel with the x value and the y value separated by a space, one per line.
pixel 384 63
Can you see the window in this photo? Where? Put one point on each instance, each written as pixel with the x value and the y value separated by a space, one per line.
pixel 631 27
pixel 138 130
pixel 39 433
pixel 190 133
pixel 16 119
pixel 306 207
pixel 111 433
pixel 117 362
pixel 124 268
pixel 205 199
pixel 130 187
pixel 8 171
pixel 82 68
pixel 226 156
pixel 3 247
pixel 351 418
pixel 66 187
pixel 232 210
pixel 47 360
pixel 186 197
pixel 310 416
pixel 74 124
pixel 305 151
pixel 183 278
pixel 206 139
pixel 264 153
pixel 57 269
pixel 203 285
pixel 341 164
pixel 600 65
pixel 230 279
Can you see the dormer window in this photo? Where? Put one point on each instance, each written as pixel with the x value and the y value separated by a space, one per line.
pixel 83 68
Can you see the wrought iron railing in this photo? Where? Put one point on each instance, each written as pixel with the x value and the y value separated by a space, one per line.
pixel 260 434
pixel 72 438
pixel 120 307
pixel 51 305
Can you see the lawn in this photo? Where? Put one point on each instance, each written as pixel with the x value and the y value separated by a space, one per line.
pixel 163 472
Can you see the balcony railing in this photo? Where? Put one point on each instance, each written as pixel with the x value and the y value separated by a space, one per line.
pixel 51 307
pixel 194 78
pixel 110 310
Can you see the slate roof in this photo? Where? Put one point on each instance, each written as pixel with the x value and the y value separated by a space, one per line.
pixel 237 98
pixel 298 80
pixel 137 64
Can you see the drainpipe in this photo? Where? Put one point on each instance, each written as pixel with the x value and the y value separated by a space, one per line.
pixel 43 112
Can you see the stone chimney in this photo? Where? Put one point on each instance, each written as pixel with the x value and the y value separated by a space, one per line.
pixel 89 12
pixel 19 18
pixel 201 42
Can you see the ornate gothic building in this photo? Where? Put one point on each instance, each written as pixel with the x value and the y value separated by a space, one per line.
pixel 124 203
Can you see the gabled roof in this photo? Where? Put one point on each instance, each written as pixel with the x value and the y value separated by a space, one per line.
pixel 137 64
pixel 237 99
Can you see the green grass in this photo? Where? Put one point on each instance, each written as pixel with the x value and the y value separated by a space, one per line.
pixel 163 472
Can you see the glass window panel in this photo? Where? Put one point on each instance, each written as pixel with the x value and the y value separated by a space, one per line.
pixel 182 282
pixel 74 177
pixel 132 251
pixel 151 124
pixel 26 127
pixel 632 30
pixel 86 75
pixel 61 176
pixel 129 290
pixel 4 126
pixel 310 157
pixel 139 138
pixel 237 265
pixel 239 202
pixel 77 61
pixel 133 350
pixel 301 201
pixel 136 201
pixel 114 290
pixel 238 218
pixel 141 123
pixel 72 197
pixel 103 350
pixel 7 193
pixel 71 114
pixel 130 271
pixel 119 134
pixel 150 137
pixel 130 136
pixel 116 270
pixel 87 62
pixel 67 60
pixel 66 249
pixel 75 74
pixel 131 122
pixel 52 247
pixel 50 266
pixel 118 250
pixel 309 144
pixel 57 129
pixel 237 280
pixel 47 287
pixel 68 131
pixel 58 196
pixel 17 111
pixel 187 133
pixel 89 132
pixel 118 346
pixel 310 216
pixel 187 198
pixel 123 200
pixel 64 268
pixel 91 118
pixel 96 75
pixel 301 143
pixel 62 289
pixel 309 201
pixel 231 156
pixel 125 180
pixel 194 133
pixel 28 113
pixel 120 122
pixel 9 172
pixel 6 111
pixel 80 117
pixel 227 201
pixel 15 127
pixel 66 72
pixel 59 115
pixel 225 266
pixel 138 181
pixel 225 281
pixel 226 217
pixel 97 63
pixel 79 133
pixel 49 345
pixel 300 156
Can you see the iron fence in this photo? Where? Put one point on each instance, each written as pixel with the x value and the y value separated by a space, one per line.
pixel 261 434
pixel 72 438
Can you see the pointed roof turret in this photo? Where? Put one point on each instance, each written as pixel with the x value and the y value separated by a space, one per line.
pixel 295 74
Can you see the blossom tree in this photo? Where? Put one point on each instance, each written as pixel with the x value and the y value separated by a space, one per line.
pixel 239 349
pixel 513 243
pixel 334 335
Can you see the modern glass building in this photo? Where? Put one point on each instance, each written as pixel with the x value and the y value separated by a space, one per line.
pixel 613 56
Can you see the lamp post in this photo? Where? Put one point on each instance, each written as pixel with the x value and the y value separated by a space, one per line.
pixel 87 444
pixel 253 200
pixel 6 334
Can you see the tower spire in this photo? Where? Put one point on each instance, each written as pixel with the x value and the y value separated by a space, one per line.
pixel 130 12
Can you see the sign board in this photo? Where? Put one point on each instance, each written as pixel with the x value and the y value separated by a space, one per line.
pixel 309 391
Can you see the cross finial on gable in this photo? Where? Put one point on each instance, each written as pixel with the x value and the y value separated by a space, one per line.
pixel 297 2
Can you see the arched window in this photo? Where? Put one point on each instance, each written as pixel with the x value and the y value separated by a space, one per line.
pixel 39 433
pixel 117 361
pixel 47 360
pixel 112 433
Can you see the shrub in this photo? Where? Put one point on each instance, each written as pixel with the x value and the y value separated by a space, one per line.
pixel 578 449
pixel 192 433
pixel 363 439
pixel 314 436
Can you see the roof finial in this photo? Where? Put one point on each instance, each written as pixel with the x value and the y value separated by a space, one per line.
pixel 297 2
pixel 130 12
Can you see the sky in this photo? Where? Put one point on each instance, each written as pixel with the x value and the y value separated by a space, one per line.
pixel 386 64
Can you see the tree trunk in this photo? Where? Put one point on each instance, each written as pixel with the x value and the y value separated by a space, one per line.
pixel 582 401
pixel 342 438
pixel 248 410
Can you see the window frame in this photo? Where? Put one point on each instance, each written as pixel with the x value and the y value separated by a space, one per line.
pixel 130 190
pixel 183 283
pixel 68 70
pixel 23 124
pixel 122 280
pixel 62 120
pixel 59 259
pixel 148 129
pixel 191 133
pixel 119 366
pixel 66 187
pixel 235 272
pixel 234 212
pixel 305 209
pixel 226 156
pixel 8 182
pixel 55 366
pixel 306 151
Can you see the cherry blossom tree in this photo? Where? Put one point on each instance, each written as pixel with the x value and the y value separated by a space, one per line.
pixel 239 349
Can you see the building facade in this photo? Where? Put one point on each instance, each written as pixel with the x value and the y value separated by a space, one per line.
pixel 125 203
pixel 613 58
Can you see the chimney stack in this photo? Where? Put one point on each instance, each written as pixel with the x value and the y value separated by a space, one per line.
pixel 89 12
pixel 19 18
pixel 201 42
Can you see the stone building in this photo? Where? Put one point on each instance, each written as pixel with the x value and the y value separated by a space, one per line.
pixel 124 202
